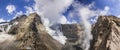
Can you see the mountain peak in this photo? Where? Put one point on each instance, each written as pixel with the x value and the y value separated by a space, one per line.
pixel 31 34
pixel 106 33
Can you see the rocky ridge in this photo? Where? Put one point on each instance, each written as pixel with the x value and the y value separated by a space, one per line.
pixel 28 32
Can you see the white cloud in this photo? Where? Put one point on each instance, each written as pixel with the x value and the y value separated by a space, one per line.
pixel 18 14
pixel 71 22
pixel 107 8
pixel 28 10
pixel 10 8
pixel 63 20
pixel 86 12
pixel 2 20
pixel 118 16
pixel 52 9
pixel 105 11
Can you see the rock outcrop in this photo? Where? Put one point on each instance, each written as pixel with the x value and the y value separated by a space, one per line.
pixel 106 34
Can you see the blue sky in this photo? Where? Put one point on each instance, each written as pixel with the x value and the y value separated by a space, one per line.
pixel 19 6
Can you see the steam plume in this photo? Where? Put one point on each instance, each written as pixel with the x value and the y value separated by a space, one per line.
pixel 87 26
pixel 84 13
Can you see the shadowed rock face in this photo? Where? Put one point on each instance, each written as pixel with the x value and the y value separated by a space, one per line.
pixel 31 34
pixel 73 32
pixel 106 34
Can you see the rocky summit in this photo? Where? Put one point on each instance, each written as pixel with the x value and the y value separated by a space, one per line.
pixel 29 33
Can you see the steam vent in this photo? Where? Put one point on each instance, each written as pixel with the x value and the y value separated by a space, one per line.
pixel 29 33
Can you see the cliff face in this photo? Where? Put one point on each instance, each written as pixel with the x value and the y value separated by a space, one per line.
pixel 73 32
pixel 106 34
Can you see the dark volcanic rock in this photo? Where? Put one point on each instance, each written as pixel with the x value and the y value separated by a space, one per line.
pixel 106 34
